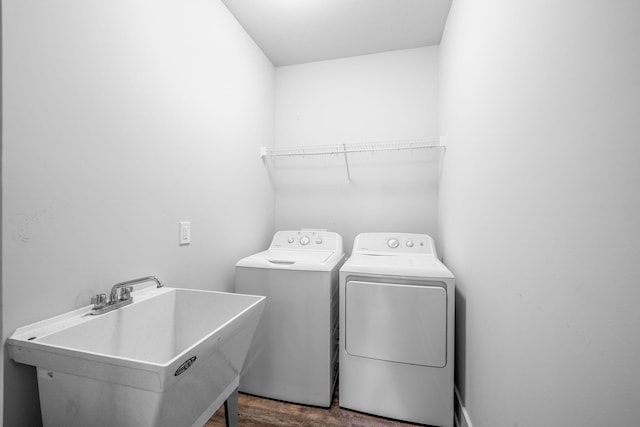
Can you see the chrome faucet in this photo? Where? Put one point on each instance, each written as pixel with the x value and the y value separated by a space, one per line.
pixel 120 295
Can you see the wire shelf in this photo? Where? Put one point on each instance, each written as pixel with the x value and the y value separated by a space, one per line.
pixel 348 148
pixel 345 149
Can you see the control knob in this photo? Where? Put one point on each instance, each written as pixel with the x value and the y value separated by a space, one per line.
pixel 304 240
pixel 393 243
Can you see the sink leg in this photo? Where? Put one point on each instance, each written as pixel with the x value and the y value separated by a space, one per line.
pixel 231 409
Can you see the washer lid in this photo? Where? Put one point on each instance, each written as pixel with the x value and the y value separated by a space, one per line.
pixel 398 265
pixel 292 260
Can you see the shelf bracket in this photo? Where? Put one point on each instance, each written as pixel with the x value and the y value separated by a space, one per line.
pixel 346 161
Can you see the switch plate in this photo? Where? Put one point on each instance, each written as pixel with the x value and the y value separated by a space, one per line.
pixel 185 232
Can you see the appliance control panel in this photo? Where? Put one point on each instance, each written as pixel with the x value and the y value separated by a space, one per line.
pixel 394 243
pixel 307 239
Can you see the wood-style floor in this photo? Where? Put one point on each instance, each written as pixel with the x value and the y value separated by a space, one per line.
pixel 259 412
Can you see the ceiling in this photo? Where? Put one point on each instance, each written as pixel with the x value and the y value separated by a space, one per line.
pixel 298 31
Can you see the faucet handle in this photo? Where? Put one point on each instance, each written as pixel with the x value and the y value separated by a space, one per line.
pixel 99 301
pixel 125 293
pixel 121 294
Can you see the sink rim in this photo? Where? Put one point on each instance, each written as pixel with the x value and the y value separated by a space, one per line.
pixel 22 337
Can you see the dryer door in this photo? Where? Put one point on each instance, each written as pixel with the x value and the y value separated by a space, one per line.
pixel 396 323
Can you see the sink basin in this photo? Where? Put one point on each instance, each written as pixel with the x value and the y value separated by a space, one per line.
pixel 171 358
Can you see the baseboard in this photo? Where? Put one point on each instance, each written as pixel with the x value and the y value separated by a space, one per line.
pixel 461 415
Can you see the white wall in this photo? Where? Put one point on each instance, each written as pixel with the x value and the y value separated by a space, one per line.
pixel 540 209
pixel 378 97
pixel 122 118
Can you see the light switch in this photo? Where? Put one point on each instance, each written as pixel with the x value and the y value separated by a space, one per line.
pixel 185 232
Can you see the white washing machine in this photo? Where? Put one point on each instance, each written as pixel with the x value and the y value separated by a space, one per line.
pixel 396 329
pixel 294 354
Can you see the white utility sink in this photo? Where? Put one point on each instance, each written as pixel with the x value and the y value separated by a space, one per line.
pixel 171 358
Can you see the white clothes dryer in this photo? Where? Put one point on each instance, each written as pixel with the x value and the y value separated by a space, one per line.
pixel 294 354
pixel 397 329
